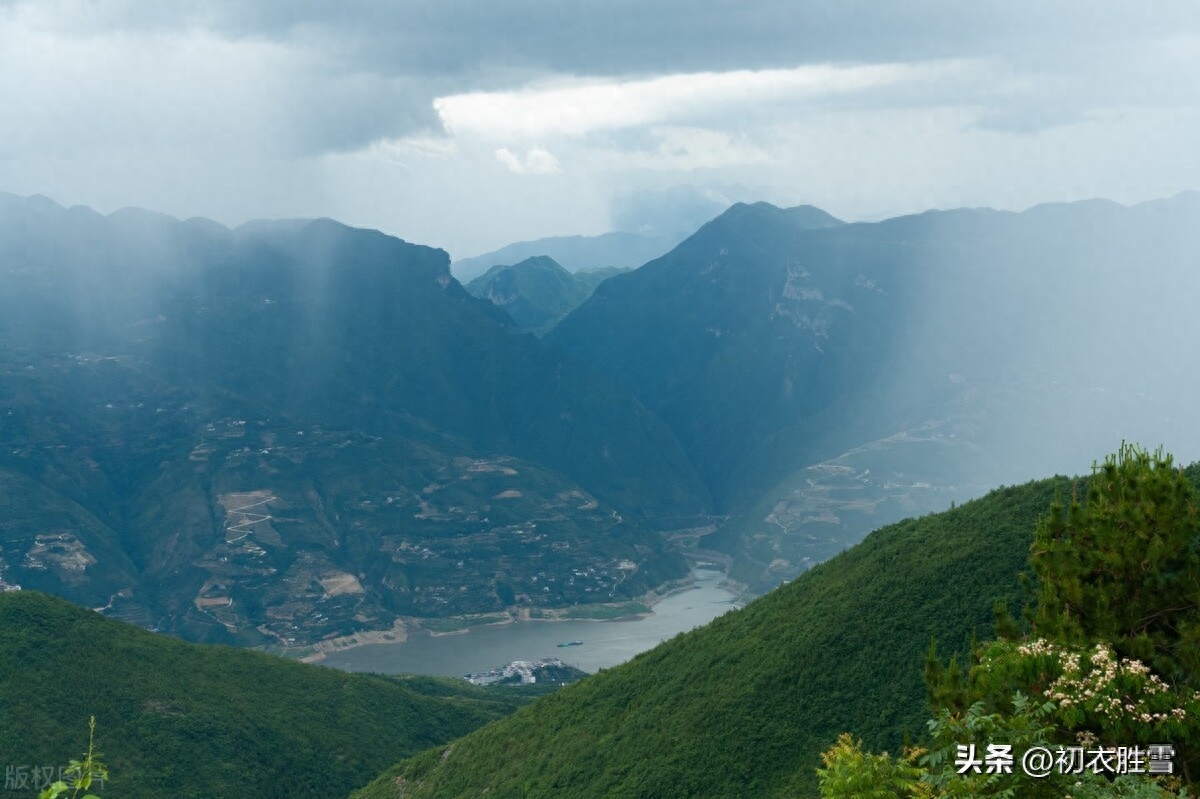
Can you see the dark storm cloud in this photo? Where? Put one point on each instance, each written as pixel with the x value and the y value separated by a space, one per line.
pixel 629 37
pixel 372 69
pixel 381 64
pixel 472 123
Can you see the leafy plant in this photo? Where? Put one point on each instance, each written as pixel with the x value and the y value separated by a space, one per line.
pixel 851 773
pixel 80 774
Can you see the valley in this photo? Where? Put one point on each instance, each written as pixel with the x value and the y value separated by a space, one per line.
pixel 626 400
pixel 606 643
pixel 279 459
pixel 251 447
pixel 448 536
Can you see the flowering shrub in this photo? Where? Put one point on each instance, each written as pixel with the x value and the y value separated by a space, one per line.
pixel 935 773
pixel 1118 700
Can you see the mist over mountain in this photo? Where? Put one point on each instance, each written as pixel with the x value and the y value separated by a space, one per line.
pixel 646 225
pixel 574 253
pixel 677 211
pixel 205 428
pixel 461 335
pixel 297 429
pixel 824 378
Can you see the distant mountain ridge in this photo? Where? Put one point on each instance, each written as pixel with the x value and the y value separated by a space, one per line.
pixel 574 253
pixel 169 387
pixel 297 429
pixel 537 292
pixel 869 371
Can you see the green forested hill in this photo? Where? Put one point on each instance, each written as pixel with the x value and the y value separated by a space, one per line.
pixel 187 720
pixel 744 706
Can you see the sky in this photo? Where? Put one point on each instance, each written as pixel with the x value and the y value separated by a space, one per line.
pixel 469 125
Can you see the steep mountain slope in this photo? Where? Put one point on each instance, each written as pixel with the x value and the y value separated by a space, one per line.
pixel 827 378
pixel 743 706
pixel 574 253
pixel 297 429
pixel 715 333
pixel 185 720
pixel 537 292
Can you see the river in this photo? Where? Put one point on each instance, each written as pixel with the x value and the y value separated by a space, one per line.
pixel 605 643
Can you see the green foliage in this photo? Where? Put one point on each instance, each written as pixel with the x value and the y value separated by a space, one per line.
pixel 851 773
pixel 461 623
pixel 81 774
pixel 1095 692
pixel 1026 725
pixel 743 706
pixel 944 686
pixel 1118 583
pixel 195 722
pixel 1125 567
pixel 1117 580
pixel 606 611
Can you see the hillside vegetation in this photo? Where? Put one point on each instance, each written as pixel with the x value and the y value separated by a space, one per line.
pixel 1103 662
pixel 193 721
pixel 743 706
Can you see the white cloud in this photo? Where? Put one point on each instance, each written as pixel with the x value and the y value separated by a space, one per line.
pixel 538 161
pixel 577 107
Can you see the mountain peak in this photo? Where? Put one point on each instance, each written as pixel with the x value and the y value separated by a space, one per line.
pixel 573 253
pixel 540 262
pixel 536 292
pixel 35 203
pixel 797 218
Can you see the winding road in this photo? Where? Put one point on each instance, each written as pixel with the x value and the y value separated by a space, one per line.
pixel 248 519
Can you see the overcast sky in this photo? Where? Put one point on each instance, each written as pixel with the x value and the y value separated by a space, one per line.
pixel 468 125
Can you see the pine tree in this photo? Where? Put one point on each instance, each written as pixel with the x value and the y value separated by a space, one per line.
pixel 1125 567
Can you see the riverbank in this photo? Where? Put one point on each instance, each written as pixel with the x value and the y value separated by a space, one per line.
pixel 315 653
pixel 406 628
pixel 606 642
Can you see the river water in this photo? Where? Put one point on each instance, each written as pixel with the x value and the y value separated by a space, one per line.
pixel 605 643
